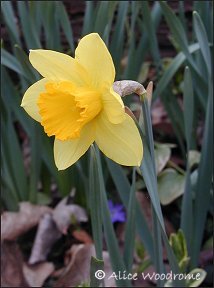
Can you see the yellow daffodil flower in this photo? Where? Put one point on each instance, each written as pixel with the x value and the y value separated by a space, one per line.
pixel 75 102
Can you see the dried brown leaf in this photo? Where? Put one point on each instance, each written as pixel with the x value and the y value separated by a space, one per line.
pixel 64 212
pixel 77 269
pixel 14 224
pixel 47 234
pixel 11 266
pixel 38 273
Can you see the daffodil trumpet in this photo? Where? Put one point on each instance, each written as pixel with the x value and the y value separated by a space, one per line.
pixel 75 102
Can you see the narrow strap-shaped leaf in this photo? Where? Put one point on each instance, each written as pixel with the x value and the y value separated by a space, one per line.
pixel 178 32
pixel 204 182
pixel 202 40
pixel 149 174
pixel 9 61
pixel 187 212
pixel 31 36
pixel 130 227
pixel 205 10
pixel 176 63
pixel 152 36
pixel 35 167
pixel 32 74
pixel 156 227
pixel 65 24
pixel 96 266
pixel 117 42
pixel 110 237
pixel 88 18
pixel 188 99
pixel 51 25
pixel 95 199
pixel 123 187
pixel 10 20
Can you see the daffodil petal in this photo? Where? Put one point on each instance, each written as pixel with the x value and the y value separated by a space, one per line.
pixel 29 101
pixel 58 66
pixel 113 107
pixel 68 152
pixel 94 56
pixel 120 142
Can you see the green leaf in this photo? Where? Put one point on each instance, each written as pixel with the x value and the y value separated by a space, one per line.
pixel 51 25
pixel 202 40
pixel 30 72
pixel 95 203
pixel 130 227
pixel 32 39
pixel 104 15
pixel 182 15
pixel 9 61
pixel 188 107
pixel 88 18
pixel 43 199
pixel 149 174
pixel 10 20
pixel 12 102
pixel 205 174
pixel 123 187
pixel 178 243
pixel 110 237
pixel 117 42
pixel 199 275
pixel 36 158
pixel 187 210
pixel 168 75
pixel 96 264
pixel 170 185
pixel 178 32
pixel 153 43
pixel 65 24
pixel 9 194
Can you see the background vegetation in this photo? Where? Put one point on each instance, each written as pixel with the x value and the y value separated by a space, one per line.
pixel 183 89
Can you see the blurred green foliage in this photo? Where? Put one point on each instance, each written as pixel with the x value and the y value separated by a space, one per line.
pixel 129 30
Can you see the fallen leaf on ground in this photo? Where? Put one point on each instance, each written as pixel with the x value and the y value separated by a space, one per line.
pixel 14 224
pixel 77 270
pixel 47 234
pixel 38 273
pixel 160 120
pixel 11 266
pixel 63 213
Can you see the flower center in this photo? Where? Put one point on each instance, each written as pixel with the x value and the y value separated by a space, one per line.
pixel 66 108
